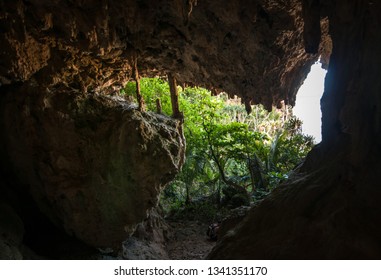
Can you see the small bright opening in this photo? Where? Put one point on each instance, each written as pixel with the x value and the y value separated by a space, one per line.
pixel 307 107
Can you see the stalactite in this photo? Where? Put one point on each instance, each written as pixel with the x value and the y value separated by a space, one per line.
pixel 139 96
pixel 248 105
pixel 312 29
pixel 158 106
pixel 174 97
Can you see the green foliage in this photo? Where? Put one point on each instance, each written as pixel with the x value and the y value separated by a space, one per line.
pixel 227 148
pixel 152 89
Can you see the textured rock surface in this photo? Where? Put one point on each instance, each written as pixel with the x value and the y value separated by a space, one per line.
pixel 250 48
pixel 332 208
pixel 149 239
pixel 320 216
pixel 93 164
pixel 230 222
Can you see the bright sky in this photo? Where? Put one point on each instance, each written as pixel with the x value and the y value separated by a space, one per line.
pixel 307 106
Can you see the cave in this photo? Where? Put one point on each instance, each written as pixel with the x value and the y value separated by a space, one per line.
pixel 81 169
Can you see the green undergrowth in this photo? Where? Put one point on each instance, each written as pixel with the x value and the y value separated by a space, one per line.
pixel 232 158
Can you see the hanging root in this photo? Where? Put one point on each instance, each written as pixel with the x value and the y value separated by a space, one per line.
pixel 139 96
pixel 158 106
pixel 248 105
pixel 190 4
pixel 174 97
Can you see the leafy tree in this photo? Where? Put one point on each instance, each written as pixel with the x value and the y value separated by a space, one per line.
pixel 228 151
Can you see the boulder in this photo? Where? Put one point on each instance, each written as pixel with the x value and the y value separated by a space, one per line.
pixel 93 164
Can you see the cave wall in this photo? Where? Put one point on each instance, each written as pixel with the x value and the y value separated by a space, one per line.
pixel 331 206
pixel 76 160
pixel 55 54
pixel 93 164
pixel 250 48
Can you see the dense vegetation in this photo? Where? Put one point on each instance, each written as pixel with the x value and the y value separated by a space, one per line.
pixel 232 158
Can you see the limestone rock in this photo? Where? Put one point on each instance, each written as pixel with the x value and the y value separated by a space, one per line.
pixel 149 239
pixel 93 164
pixel 331 209
pixel 320 216
pixel 250 48
pixel 230 222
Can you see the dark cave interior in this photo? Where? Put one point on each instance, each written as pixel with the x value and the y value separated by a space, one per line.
pixel 70 181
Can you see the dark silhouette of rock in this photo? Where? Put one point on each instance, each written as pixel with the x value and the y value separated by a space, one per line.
pixel 331 208
pixel 94 166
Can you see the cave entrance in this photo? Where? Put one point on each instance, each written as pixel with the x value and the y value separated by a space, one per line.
pixel 307 107
pixel 233 159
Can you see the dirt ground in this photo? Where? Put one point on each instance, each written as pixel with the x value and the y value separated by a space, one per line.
pixel 189 241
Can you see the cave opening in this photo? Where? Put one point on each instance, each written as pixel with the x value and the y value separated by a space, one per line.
pixel 307 104
pixel 233 159
pixel 94 166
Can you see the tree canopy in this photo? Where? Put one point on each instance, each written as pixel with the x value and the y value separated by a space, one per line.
pixel 231 156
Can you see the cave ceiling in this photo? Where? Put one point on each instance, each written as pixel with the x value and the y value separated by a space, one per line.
pixel 253 49
pixel 261 50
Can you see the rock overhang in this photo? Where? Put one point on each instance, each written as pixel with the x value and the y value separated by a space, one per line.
pixel 253 49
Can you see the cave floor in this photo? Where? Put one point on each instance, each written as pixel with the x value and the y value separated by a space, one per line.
pixel 189 240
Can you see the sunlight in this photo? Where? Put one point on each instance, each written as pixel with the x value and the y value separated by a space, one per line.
pixel 307 106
